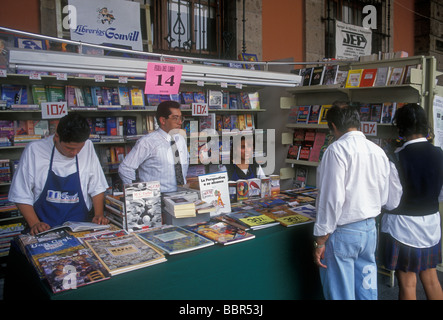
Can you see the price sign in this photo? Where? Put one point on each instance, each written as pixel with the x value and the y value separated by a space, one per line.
pixel 54 110
pixel 162 78
pixel 369 128
pixel 199 109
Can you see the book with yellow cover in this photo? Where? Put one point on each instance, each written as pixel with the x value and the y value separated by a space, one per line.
pixel 353 79
pixel 253 219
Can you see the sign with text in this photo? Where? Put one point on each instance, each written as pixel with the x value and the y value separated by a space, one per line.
pixel 199 109
pixel 54 110
pixel 352 41
pixel 163 78
pixel 369 128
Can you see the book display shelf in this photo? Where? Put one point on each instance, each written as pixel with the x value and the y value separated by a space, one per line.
pixel 377 88
pixel 109 92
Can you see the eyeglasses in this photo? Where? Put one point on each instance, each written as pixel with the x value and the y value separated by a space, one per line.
pixel 177 118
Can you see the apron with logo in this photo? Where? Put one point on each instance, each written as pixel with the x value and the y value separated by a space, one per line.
pixel 61 199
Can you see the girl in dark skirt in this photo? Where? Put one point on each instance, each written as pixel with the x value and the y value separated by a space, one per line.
pixel 411 231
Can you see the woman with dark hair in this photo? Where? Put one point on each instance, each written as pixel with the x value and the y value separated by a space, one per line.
pixel 410 227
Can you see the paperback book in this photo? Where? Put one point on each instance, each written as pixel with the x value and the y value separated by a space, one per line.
pixel 221 232
pixel 125 253
pixel 174 239
pixel 214 190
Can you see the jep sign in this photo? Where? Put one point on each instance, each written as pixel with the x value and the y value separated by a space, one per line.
pixel 352 41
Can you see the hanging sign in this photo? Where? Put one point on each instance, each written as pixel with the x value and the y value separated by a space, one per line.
pixel 163 78
pixel 352 41
pixel 368 128
pixel 199 109
pixel 54 110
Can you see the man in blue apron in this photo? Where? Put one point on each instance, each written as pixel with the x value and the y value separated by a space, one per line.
pixel 59 178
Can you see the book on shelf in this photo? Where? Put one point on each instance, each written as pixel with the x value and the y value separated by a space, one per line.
pixel 115 210
pixel 174 239
pixel 215 99
pixel 354 78
pixel 317 75
pixel 301 177
pixel 306 74
pixel 142 205
pixel 14 94
pixel 207 122
pixel 55 93
pixel 365 112
pixel 323 113
pixel 199 97
pixel 376 110
pixel 319 141
pixel 137 96
pixel 293 151
pixel 254 100
pixel 221 232
pixel 368 77
pixel 396 76
pixel 388 112
pixel 314 114
pixel 71 270
pixel 382 76
pixel 125 253
pixel 39 94
pixel 303 114
pixel 408 71
pixel 330 75
pixel 214 190
pixel 342 75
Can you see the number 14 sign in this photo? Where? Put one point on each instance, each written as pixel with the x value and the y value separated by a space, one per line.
pixel 163 78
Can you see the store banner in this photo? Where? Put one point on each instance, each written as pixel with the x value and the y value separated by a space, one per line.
pixel 352 41
pixel 115 23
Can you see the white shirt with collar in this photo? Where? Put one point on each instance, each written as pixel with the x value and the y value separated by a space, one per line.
pixel 418 232
pixel 152 157
pixel 353 179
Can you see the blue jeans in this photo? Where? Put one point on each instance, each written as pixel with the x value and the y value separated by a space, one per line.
pixel 351 272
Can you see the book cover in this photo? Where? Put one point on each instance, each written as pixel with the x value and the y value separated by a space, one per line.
pixel 207 122
pixel 341 77
pixel 14 94
pixel 382 76
pixel 142 205
pixel 254 100
pixel 330 75
pixel 214 189
pixel 365 112
pixel 317 75
pixel 303 114
pixel 388 112
pixel 306 74
pixel 376 110
pixel 286 216
pixel 37 247
pixel 316 148
pixel 396 76
pixel 354 78
pixel 220 232
pixel 242 189
pixel 215 99
pixel 137 96
pixel 368 77
pixel 314 114
pixel 323 113
pixel 72 270
pixel 174 239
pixel 39 94
pixel 125 253
pixel 253 219
pixel 307 210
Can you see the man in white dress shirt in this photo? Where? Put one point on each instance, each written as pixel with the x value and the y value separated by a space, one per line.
pixel 152 156
pixel 352 179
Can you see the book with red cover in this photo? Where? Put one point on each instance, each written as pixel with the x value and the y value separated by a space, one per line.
pixel 368 77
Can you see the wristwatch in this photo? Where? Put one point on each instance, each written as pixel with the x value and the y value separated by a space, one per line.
pixel 317 246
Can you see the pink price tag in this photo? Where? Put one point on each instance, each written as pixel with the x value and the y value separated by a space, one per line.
pixel 162 78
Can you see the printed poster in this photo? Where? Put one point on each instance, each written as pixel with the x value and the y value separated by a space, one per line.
pixel 352 41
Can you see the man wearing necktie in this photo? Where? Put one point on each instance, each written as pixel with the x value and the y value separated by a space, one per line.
pixel 161 155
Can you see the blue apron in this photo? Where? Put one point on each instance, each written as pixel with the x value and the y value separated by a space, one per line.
pixel 61 199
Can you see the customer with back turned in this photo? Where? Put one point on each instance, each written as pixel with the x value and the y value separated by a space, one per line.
pixel 352 182
pixel 411 228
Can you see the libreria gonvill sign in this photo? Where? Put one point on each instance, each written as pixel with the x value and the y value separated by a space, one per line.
pixel 108 22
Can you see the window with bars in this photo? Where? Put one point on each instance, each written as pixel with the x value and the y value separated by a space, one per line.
pixel 351 12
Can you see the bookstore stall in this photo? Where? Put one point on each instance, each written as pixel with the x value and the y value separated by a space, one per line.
pixel 211 239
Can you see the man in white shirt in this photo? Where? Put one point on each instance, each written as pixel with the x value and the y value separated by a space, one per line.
pixel 352 179
pixel 60 178
pixel 152 156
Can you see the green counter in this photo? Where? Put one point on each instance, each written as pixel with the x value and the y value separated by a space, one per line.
pixel 276 265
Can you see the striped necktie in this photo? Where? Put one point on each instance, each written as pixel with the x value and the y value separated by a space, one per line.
pixel 177 165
